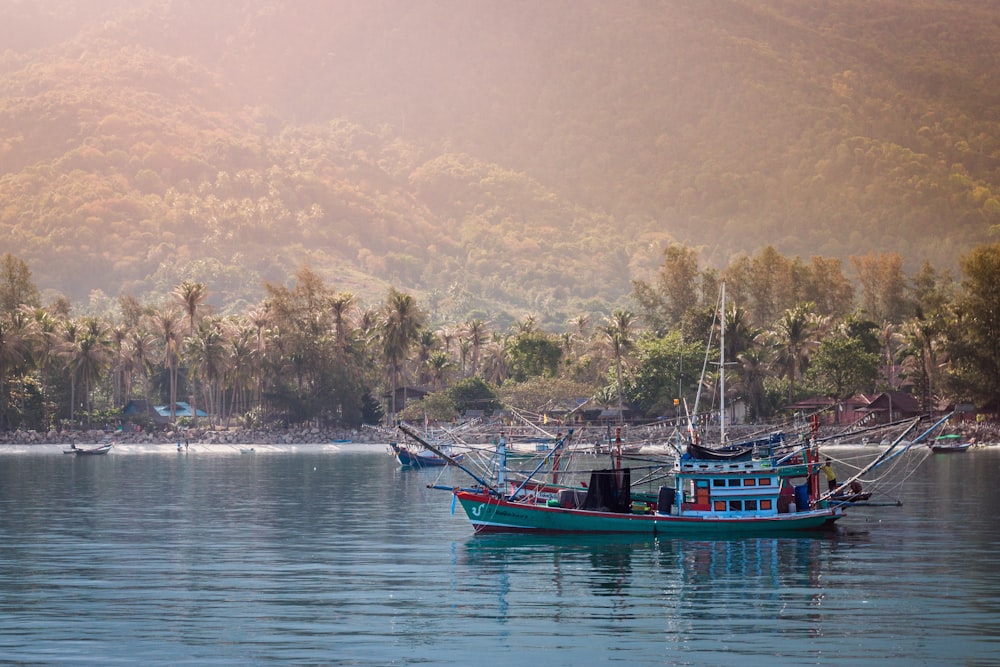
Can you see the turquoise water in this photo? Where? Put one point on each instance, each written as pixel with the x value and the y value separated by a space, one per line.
pixel 341 558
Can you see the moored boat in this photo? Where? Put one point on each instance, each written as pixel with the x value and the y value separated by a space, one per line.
pixel 949 444
pixel 409 458
pixel 102 448
pixel 716 497
pixel 707 497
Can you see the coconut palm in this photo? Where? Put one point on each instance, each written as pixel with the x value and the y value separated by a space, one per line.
pixel 68 334
pixel 448 335
pixel 207 353
pixel 890 340
pixel 118 335
pixel 476 333
pixel 14 350
pixel 241 338
pixel 921 352
pixel 340 308
pixel 618 336
pixel 796 336
pixel 755 362
pixel 496 366
pixel 89 356
pixel 190 295
pixel 140 349
pixel 439 365
pixel 399 326
pixel 44 348
pixel 259 318
pixel 427 345
pixel 168 323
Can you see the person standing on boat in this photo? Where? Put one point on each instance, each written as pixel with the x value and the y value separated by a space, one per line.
pixel 831 475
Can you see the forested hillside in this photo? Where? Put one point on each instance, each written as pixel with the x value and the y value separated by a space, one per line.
pixel 491 157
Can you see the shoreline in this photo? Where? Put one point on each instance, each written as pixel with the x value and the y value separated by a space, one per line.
pixel 980 434
pixel 303 436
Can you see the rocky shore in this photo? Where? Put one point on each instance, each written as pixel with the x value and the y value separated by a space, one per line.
pixel 233 436
pixel 980 433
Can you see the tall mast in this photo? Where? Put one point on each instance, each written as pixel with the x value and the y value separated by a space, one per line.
pixel 722 369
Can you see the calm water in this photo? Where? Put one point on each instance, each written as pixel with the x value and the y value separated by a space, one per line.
pixel 341 558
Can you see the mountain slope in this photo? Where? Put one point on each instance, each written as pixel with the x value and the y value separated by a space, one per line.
pixel 514 156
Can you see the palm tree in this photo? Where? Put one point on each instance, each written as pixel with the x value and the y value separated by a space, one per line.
pixel 340 308
pixel 400 325
pixel 240 364
pixel 754 367
pixel 206 351
pixel 118 336
pixel 190 295
pixel 67 343
pixel 44 348
pixel 477 333
pixel 920 351
pixel 89 356
pixel 13 352
pixel 448 335
pixel 496 367
pixel 259 318
pixel 426 346
pixel 439 365
pixel 617 333
pixel 167 323
pixel 140 352
pixel 796 337
pixel 580 325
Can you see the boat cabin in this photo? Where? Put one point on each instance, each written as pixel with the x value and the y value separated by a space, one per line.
pixel 727 489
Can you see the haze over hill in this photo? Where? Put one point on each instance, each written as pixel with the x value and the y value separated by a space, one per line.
pixel 514 156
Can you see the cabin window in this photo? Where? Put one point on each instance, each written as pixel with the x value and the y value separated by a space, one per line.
pixel 718 482
pixel 701 492
pixel 764 481
pixel 734 482
pixel 735 505
pixel 750 482
pixel 749 505
pixel 765 504
pixel 720 505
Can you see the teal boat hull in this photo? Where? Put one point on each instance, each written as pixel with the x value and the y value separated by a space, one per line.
pixel 490 514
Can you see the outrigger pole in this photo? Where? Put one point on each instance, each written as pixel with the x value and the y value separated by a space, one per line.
pixel 405 428
pixel 888 454
pixel 527 479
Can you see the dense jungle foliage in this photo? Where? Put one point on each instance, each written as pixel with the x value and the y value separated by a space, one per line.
pixel 308 353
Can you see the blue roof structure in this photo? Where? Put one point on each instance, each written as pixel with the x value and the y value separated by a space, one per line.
pixel 182 409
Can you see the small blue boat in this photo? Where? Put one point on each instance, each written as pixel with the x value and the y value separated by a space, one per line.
pixel 949 444
pixel 421 459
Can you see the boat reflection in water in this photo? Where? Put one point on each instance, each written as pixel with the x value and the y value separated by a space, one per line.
pixel 683 582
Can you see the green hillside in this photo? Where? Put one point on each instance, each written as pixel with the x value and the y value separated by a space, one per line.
pixel 518 157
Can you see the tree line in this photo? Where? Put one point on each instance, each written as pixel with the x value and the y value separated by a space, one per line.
pixel 308 353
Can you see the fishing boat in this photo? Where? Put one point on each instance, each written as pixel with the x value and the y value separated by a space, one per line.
pixel 247 450
pixel 102 448
pixel 409 458
pixel 949 444
pixel 706 498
